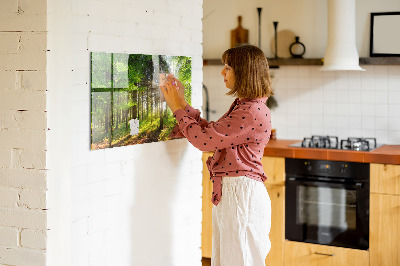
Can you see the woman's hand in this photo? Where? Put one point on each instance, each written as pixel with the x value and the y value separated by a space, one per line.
pixel 181 91
pixel 173 91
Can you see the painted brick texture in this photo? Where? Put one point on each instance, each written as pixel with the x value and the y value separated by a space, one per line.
pixel 23 132
pixel 136 205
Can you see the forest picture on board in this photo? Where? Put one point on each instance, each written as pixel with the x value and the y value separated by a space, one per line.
pixel 127 105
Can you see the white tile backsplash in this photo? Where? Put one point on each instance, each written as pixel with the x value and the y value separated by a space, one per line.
pixel 343 103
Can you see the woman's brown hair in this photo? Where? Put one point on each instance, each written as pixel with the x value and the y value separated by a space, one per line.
pixel 250 66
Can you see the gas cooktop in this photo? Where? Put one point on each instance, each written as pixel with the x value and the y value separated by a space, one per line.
pixel 332 142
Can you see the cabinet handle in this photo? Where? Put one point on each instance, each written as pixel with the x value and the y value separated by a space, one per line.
pixel 324 254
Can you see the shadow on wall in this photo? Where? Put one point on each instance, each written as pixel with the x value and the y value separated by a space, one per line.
pixel 155 203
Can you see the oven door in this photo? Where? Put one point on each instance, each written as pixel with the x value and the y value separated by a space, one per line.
pixel 327 213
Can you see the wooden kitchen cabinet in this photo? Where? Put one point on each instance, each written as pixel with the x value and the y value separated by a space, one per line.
pixel 274 168
pixel 385 215
pixel 206 225
pixel 385 178
pixel 277 233
pixel 384 236
pixel 305 254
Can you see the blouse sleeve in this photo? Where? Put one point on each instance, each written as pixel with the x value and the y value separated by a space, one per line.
pixel 193 113
pixel 229 131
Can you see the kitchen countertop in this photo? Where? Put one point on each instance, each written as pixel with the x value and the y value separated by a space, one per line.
pixel 389 154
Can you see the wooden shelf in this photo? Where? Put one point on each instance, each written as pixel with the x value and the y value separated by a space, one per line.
pixel 273 63
pixel 380 61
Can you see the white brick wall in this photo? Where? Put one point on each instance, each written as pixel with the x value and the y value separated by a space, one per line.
pixel 23 132
pixel 136 205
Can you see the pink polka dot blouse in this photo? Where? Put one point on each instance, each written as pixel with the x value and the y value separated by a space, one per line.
pixel 238 139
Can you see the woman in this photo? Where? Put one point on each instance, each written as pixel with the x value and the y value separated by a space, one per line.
pixel 242 208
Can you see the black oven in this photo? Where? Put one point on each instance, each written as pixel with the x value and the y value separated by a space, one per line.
pixel 327 202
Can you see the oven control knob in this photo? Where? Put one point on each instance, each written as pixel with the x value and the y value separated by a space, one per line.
pixel 343 168
pixel 308 166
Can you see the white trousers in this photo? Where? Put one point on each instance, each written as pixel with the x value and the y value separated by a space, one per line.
pixel 241 223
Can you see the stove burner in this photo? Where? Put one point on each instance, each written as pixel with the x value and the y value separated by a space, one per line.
pixel 328 142
pixel 332 142
pixel 358 144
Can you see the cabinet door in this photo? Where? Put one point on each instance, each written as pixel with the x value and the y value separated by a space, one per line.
pixel 304 254
pixel 206 232
pixel 274 168
pixel 385 178
pixel 277 233
pixel 384 230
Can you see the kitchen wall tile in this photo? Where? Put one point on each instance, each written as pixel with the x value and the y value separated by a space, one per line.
pixel 394 123
pixel 329 109
pixel 393 71
pixel 354 80
pixel 381 84
pixel 354 122
pixel 367 133
pixel 304 72
pixel 317 131
pixel 381 110
pixel 328 74
pixel 381 123
pixel 342 122
pixel 317 95
pixel 303 82
pixel 394 83
pixel 368 123
pixel 315 72
pixel 342 109
pixel 305 95
pixel 342 96
pixel 367 96
pixel 329 122
pixel 367 81
pixel 355 96
pixel 394 110
pixel 291 71
pixel 342 80
pixel 365 99
pixel 394 137
pixel 342 133
pixel 317 121
pixel 355 109
pixel 304 109
pixel 292 82
pixel 394 97
pixel 355 132
pixel 381 136
pixel 381 97
pixel 380 71
pixel 329 93
pixel 316 82
pixel 317 108
pixel 367 110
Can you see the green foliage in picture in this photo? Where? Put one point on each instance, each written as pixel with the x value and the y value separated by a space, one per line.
pixel 127 105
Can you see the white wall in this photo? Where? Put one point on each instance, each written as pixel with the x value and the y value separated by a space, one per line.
pixel 135 205
pixel 306 19
pixel 311 102
pixel 22 133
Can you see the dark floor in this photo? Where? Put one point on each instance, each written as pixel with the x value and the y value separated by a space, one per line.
pixel 206 261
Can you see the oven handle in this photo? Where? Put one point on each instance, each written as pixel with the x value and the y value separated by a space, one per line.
pixel 357 185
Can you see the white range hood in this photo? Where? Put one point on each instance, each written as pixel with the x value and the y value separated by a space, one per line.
pixel 341 51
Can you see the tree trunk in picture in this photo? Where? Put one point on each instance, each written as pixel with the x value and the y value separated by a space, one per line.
pixel 161 117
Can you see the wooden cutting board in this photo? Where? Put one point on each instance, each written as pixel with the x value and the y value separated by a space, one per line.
pixel 239 35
